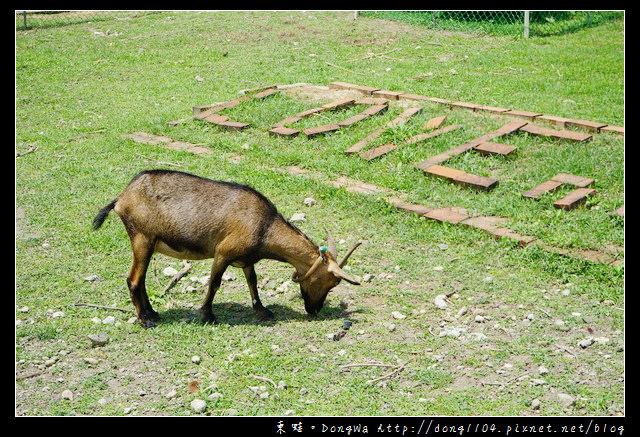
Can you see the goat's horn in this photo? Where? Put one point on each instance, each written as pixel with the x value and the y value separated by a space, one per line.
pixel 346 257
pixel 339 273
pixel 331 244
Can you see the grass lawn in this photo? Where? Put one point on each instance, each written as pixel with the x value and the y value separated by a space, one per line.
pixel 506 344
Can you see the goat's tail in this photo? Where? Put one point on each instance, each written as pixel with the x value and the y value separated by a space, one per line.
pixel 102 215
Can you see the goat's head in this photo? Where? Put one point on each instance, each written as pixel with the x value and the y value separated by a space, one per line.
pixel 324 274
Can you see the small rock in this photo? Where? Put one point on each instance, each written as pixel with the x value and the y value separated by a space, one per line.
pixel 91 361
pixel 227 276
pixel 565 399
pixel 535 404
pixel 560 325
pixel 298 217
pixel 57 314
pixel 462 312
pixel 443 246
pixel 398 315
pixel 309 201
pixel 451 332
pixel 367 277
pixel 171 394
pixel 98 340
pixel 67 394
pixel 195 359
pixel 338 335
pixel 109 320
pixel 390 326
pixel 479 319
pixel 538 381
pixel 284 287
pixel 214 396
pixel 438 268
pixel 282 385
pixel 289 413
pixel 264 395
pixel 586 342
pixel 542 370
pixel 24 309
pixel 91 278
pixel 198 406
pixel 441 301
pixel 169 271
pixel 477 336
pixel 346 324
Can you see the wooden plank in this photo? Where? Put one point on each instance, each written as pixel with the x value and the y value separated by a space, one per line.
pixel 446 215
pixel 489 148
pixel 216 118
pixel 284 131
pixel 578 181
pixel 543 188
pixel 363 142
pixel 553 133
pixel 320 130
pixel 339 104
pixel 353 119
pixel 443 172
pixel 527 115
pixel 475 181
pixel 574 198
pixel 425 136
pixel 233 125
pixel 406 114
pixel 435 122
pixel 377 151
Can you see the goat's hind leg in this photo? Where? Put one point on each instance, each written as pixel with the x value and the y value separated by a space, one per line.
pixel 142 251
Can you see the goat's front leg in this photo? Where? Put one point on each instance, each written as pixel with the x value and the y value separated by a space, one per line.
pixel 252 281
pixel 217 270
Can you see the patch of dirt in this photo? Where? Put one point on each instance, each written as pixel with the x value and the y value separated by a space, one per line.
pixel 320 94
pixel 23 229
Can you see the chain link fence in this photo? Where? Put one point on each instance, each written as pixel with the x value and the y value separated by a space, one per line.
pixel 32 19
pixel 511 23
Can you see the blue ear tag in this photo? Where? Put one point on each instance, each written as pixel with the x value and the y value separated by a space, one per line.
pixel 323 249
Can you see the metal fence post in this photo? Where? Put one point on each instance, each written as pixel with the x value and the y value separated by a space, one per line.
pixel 526 24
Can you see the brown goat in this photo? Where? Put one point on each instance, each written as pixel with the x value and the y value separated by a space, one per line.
pixel 190 217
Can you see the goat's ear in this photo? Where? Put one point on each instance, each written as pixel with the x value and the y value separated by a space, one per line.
pixel 340 274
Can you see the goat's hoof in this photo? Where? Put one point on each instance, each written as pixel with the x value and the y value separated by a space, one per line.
pixel 147 323
pixel 208 318
pixel 264 314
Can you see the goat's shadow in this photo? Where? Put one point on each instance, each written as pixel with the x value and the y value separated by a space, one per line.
pixel 233 313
